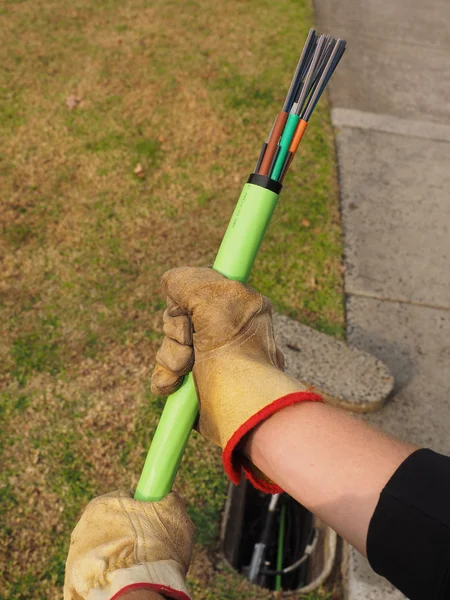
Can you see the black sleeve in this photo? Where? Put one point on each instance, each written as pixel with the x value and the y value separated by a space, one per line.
pixel 409 534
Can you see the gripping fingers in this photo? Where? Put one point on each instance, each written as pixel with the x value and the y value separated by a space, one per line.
pixel 178 326
pixel 176 355
pixel 173 361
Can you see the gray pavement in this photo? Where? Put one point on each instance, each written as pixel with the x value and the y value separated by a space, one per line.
pixel 391 108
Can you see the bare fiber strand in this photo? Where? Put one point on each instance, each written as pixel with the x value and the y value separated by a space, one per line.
pixel 323 59
pixel 310 74
pixel 331 65
pixel 300 70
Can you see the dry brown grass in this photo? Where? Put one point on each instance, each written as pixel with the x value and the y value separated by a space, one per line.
pixel 188 90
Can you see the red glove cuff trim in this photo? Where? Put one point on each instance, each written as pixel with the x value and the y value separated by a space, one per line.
pixel 232 461
pixel 167 592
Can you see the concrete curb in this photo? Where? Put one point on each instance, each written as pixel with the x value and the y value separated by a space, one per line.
pixel 345 376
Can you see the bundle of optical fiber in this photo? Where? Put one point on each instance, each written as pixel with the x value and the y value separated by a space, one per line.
pixel 319 59
pixel 240 245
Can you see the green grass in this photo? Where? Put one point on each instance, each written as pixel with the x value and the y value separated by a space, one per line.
pixel 37 351
pixel 188 91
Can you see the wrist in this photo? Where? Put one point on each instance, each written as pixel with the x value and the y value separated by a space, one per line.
pixel 258 444
pixel 239 448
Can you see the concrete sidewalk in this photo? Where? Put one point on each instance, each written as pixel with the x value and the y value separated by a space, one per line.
pixel 391 107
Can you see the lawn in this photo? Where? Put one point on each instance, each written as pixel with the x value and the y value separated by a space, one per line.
pixel 127 131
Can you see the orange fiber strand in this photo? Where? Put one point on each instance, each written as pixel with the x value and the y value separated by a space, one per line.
pixel 301 128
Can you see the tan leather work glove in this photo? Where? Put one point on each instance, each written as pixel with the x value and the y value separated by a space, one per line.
pixel 123 544
pixel 238 370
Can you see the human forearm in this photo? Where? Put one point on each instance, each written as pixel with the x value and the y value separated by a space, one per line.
pixel 332 463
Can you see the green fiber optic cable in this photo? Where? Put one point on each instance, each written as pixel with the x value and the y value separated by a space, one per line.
pixel 280 546
pixel 236 255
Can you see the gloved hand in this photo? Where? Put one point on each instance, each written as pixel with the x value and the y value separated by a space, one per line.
pixel 120 543
pixel 238 370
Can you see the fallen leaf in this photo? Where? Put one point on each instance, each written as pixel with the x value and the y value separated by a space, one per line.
pixel 139 171
pixel 305 222
pixel 293 347
pixel 72 102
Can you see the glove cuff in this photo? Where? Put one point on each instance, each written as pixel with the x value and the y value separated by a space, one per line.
pixel 165 591
pixel 164 576
pixel 235 462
